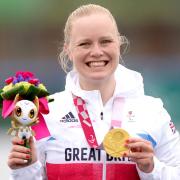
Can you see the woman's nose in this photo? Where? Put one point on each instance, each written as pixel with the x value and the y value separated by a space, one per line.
pixel 96 50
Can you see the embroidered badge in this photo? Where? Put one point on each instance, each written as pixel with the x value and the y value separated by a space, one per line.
pixel 131 116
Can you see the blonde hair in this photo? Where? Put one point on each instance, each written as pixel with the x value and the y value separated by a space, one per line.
pixel 82 11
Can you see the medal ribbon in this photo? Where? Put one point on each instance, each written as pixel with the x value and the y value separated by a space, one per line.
pixel 86 121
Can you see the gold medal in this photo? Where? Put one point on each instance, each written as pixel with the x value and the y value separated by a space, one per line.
pixel 114 142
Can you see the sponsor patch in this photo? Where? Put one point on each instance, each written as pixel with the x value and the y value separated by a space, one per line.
pixel 68 118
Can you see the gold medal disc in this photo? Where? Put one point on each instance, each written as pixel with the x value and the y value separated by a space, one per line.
pixel 114 142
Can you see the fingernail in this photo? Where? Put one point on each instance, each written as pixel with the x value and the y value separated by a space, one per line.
pixel 125 154
pixel 25 161
pixel 21 142
pixel 27 156
pixel 28 150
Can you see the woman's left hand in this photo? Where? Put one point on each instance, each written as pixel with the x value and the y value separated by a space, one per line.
pixel 141 152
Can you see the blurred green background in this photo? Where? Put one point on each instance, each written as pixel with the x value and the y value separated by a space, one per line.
pixel 31 34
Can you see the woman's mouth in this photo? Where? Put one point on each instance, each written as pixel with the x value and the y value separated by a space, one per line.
pixel 97 63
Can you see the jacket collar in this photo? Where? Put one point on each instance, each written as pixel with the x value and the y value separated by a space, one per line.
pixel 129 83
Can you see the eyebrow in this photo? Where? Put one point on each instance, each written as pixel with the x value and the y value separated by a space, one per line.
pixel 106 37
pixel 88 39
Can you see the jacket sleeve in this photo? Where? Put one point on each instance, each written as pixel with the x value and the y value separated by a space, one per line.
pixel 167 150
pixel 35 171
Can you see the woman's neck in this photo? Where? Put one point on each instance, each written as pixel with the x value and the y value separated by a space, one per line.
pixel 105 87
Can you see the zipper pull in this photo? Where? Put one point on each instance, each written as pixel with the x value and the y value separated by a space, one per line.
pixel 101 115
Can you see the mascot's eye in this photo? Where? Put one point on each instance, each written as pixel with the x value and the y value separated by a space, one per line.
pixel 18 111
pixel 31 113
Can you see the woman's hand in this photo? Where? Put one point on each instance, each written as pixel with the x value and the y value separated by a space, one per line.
pixel 141 152
pixel 21 156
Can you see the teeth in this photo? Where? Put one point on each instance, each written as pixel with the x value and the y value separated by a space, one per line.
pixel 97 63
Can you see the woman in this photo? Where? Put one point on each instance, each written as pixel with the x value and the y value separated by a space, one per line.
pixel 99 95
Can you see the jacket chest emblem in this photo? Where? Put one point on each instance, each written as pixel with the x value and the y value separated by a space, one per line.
pixel 69 118
pixel 131 116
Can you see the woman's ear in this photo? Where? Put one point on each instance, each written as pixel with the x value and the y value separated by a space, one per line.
pixel 68 51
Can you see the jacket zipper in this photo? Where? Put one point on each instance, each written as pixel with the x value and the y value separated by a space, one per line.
pixel 101 115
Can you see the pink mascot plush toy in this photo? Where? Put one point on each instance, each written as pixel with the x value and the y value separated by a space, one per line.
pixel 24 99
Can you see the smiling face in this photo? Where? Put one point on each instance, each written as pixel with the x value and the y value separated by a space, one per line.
pixel 94 48
pixel 25 112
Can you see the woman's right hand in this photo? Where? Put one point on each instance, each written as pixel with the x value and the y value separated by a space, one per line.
pixel 21 156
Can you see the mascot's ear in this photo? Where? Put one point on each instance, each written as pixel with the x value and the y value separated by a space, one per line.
pixel 8 106
pixel 36 102
pixel 16 99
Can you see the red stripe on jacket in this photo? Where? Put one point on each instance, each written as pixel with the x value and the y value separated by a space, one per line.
pixel 91 171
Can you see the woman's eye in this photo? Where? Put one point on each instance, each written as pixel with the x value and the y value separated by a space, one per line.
pixel 18 111
pixel 106 41
pixel 84 44
pixel 31 113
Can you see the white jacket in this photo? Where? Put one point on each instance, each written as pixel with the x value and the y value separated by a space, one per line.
pixel 67 155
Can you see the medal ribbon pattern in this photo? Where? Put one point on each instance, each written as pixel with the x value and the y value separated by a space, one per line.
pixel 85 120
